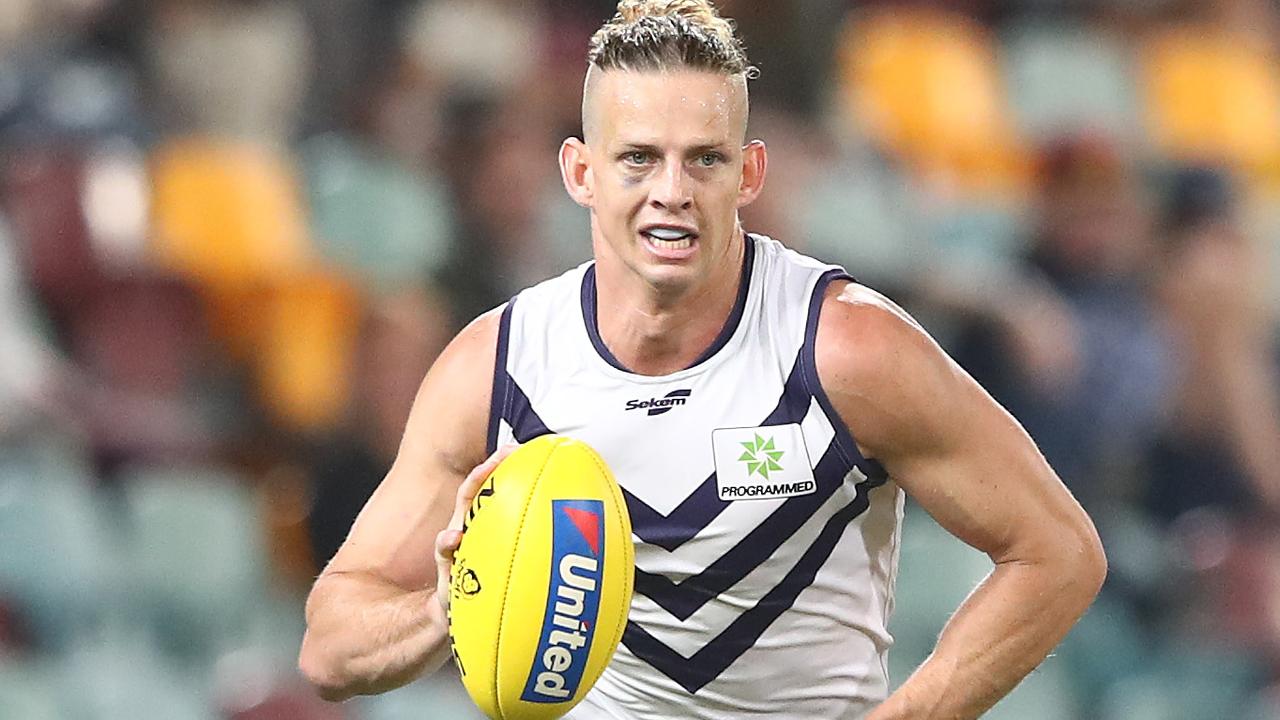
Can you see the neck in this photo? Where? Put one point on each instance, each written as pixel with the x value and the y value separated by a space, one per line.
pixel 660 330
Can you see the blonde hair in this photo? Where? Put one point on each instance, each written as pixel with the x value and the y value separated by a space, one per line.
pixel 668 35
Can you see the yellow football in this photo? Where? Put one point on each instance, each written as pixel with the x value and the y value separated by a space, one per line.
pixel 541 584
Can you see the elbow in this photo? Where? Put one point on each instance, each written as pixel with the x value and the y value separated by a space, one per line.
pixel 1099 566
pixel 321 672
pixel 1090 562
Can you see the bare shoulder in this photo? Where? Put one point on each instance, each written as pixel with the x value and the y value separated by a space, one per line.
pixel 884 373
pixel 941 437
pixel 883 331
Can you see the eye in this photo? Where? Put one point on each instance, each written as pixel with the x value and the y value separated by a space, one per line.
pixel 709 159
pixel 635 157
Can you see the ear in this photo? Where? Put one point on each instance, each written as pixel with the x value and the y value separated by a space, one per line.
pixel 755 163
pixel 575 170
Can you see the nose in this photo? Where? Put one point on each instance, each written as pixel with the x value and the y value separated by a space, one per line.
pixel 672 189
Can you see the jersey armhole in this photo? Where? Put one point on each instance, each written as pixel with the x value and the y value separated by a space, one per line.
pixel 845 442
pixel 500 396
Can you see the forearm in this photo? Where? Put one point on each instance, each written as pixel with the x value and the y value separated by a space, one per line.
pixel 1002 632
pixel 366 636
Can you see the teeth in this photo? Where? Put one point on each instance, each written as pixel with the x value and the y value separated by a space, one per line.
pixel 673 244
pixel 668 234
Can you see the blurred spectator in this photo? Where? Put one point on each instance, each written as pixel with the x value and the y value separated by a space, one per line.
pixel 512 233
pixel 1219 446
pixel 236 69
pixel 1212 475
pixel 795 157
pixel 477 48
pixel 353 41
pixel 29 373
pixel 791 44
pixel 1073 346
pixel 400 338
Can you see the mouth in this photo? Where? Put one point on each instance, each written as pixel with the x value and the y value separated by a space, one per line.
pixel 669 237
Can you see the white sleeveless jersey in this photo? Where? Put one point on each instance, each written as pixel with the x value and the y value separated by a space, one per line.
pixel 766 545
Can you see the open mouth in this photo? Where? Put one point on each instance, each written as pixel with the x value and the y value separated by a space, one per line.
pixel 670 238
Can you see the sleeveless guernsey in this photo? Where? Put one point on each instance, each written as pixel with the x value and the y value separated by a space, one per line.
pixel 766 546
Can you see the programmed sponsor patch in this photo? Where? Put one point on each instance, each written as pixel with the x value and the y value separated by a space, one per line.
pixel 573 601
pixel 762 463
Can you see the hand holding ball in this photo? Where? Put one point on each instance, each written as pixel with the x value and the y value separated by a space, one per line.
pixel 540 586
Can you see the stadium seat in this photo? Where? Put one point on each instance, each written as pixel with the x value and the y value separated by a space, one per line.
pixel 86 97
pixel 58 567
pixel 1045 694
pixel 41 186
pixel 226 212
pixel 28 691
pixel 382 223
pixel 1106 647
pixel 197 553
pixel 229 216
pixel 936 573
pixel 1064 78
pixel 926 84
pixel 291 703
pixel 1187 680
pixel 973 240
pixel 1140 698
pixel 1214 98
pixel 303 361
pixel 862 214
pixel 442 692
pixel 127 680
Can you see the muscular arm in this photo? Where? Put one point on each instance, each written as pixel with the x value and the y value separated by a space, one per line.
pixel 971 466
pixel 373 621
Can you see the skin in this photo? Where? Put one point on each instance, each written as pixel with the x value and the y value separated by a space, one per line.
pixel 667 148
pixel 664 149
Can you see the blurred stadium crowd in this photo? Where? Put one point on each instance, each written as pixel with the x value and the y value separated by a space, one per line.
pixel 234 234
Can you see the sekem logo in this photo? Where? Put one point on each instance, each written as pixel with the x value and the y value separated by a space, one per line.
pixel 664 404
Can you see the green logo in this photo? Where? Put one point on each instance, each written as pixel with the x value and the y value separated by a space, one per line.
pixel 761 457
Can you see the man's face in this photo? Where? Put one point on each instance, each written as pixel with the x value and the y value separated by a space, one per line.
pixel 664 170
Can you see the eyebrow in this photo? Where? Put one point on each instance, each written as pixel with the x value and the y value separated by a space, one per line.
pixel 692 150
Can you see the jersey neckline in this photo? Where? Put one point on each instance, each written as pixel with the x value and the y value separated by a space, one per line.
pixel 591 321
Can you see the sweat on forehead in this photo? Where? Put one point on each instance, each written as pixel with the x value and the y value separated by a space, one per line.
pixel 606 93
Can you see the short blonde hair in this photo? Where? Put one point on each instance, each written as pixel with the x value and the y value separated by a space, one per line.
pixel 669 35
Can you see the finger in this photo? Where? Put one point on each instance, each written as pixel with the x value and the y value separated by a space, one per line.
pixel 486 468
pixel 447 542
pixel 471 485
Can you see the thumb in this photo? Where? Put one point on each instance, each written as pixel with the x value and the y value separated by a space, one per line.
pixel 447 542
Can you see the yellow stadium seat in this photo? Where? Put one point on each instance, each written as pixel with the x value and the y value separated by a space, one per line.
pixel 229 216
pixel 927 85
pixel 304 354
pixel 1212 97
pixel 227 212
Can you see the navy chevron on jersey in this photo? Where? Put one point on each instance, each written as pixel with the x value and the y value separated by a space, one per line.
pixel 766 545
